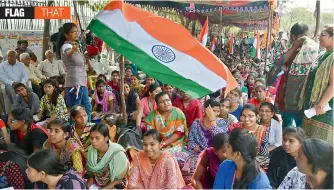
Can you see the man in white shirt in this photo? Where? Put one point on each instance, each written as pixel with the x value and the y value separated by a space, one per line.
pixel 52 68
pixel 12 72
pixel 34 75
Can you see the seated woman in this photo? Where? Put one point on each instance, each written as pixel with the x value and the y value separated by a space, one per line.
pixel 147 104
pixel 47 172
pixel 225 108
pixel 135 85
pixel 170 91
pixel 13 164
pixel 235 97
pixel 270 120
pixel 170 122
pixel 314 167
pixel 260 96
pixel 26 98
pixel 153 168
pixel 24 133
pixel 148 81
pixel 249 117
pixel 81 127
pixel 209 161
pixel 104 78
pixel 283 158
pixel 132 102
pixel 52 104
pixel 251 85
pixel 191 107
pixel 70 150
pixel 107 164
pixel 103 101
pixel 241 170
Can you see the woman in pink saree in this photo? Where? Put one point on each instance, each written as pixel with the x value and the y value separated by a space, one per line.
pixel 153 168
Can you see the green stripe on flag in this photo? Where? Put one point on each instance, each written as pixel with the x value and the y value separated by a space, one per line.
pixel 148 64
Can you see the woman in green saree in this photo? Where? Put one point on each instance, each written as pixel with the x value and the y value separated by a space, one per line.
pixel 317 91
pixel 107 163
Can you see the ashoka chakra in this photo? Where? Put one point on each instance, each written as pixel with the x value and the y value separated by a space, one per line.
pixel 163 53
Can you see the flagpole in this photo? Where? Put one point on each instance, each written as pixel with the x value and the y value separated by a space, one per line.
pixel 123 106
pixel 268 34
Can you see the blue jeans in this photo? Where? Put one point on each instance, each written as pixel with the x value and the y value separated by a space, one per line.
pixel 83 99
pixel 291 119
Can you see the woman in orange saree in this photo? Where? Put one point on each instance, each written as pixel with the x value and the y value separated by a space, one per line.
pixel 153 168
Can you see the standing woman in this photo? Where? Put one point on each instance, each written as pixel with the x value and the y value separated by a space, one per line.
pixel 314 167
pixel 318 91
pixel 76 76
pixel 241 171
pixel 45 166
pixel 107 164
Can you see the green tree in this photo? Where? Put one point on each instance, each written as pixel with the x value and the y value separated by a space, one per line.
pixel 326 19
pixel 298 14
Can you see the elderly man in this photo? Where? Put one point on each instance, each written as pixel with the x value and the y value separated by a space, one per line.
pixel 52 68
pixel 12 72
pixel 34 75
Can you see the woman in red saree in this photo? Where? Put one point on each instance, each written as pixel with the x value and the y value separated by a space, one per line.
pixel 153 168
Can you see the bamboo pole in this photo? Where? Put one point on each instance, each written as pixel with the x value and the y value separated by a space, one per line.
pixel 268 35
pixel 123 106
pixel 317 21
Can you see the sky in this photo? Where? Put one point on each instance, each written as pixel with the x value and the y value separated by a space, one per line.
pixel 325 5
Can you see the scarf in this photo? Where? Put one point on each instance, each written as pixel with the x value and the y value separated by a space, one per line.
pixel 320 82
pixel 104 101
pixel 117 163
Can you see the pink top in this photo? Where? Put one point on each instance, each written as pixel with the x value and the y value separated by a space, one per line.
pixel 144 104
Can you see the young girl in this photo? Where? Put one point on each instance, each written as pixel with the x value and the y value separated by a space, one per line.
pixel 260 96
pixel 251 85
pixel 225 108
pixel 241 170
pixel 107 164
pixel 283 158
pixel 236 108
pixel 209 161
pixel 103 101
pixel 249 121
pixel 70 150
pixel 270 120
pixel 154 168
pixel 52 104
pixel 45 166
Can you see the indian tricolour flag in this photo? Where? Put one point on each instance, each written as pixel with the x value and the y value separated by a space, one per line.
pixel 203 36
pixel 162 49
pixel 255 49
pixel 213 44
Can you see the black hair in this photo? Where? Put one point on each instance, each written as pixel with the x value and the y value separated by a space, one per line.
pixel 111 119
pixel 262 80
pixel 55 93
pixel 21 85
pixel 245 142
pixel 75 110
pixel 24 42
pixel 151 88
pixel 299 29
pixel 297 132
pixel 319 154
pixel 47 160
pixel 261 86
pixel 226 99
pixel 159 95
pixel 114 71
pixel 65 126
pixel 67 27
pixel 238 90
pixel 271 107
pixel 103 76
pixel 251 107
pixel 155 134
pixel 23 114
pixel 329 30
pixel 101 128
pixel 219 140
pixel 137 77
pixel 211 102
pixel 99 82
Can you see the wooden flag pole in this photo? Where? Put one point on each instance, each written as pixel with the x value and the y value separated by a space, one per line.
pixel 268 35
pixel 123 106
